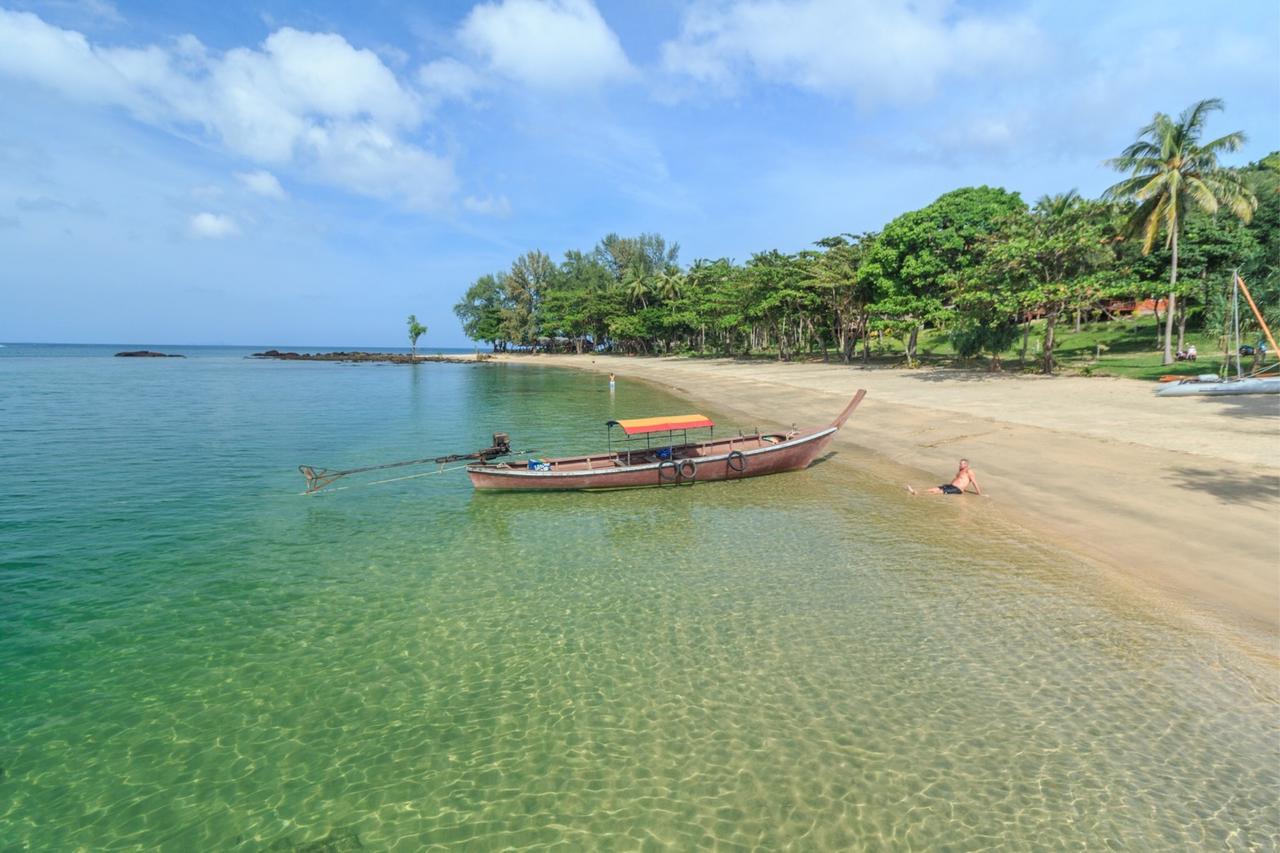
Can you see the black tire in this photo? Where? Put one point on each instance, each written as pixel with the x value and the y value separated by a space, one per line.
pixel 737 461
pixel 689 470
pixel 663 467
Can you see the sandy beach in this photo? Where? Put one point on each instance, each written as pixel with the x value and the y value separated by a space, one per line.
pixel 1179 498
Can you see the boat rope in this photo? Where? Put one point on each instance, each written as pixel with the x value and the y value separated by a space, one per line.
pixel 440 470
pixel 319 478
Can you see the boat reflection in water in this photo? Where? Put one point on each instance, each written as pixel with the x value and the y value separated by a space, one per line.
pixel 667 462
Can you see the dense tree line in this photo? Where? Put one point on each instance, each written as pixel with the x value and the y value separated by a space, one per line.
pixel 978 262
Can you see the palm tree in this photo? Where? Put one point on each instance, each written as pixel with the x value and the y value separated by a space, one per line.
pixel 670 284
pixel 1169 172
pixel 637 286
pixel 416 330
pixel 1057 205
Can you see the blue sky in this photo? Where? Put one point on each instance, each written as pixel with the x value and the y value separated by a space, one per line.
pixel 309 174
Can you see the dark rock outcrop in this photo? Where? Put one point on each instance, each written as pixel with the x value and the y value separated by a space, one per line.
pixel 146 353
pixel 382 357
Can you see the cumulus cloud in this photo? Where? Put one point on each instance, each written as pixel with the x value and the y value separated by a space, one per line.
pixel 546 44
pixel 488 205
pixel 885 52
pixel 212 226
pixel 446 79
pixel 308 99
pixel 262 183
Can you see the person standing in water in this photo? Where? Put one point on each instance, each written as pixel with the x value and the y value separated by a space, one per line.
pixel 611 385
pixel 964 480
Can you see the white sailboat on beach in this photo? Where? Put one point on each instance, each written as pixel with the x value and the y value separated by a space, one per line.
pixel 1212 385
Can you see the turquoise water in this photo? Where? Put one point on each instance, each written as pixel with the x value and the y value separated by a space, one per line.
pixel 195 656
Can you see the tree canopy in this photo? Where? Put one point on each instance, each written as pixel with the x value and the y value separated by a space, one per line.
pixel 977 263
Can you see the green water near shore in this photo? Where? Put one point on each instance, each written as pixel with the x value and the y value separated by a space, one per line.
pixel 196 657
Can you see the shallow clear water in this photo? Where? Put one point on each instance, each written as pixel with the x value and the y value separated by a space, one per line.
pixel 194 656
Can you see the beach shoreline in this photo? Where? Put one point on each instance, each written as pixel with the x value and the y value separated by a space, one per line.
pixel 1179 499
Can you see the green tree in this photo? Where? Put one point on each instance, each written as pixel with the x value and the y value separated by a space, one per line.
pixel 1263 271
pixel 416 330
pixel 648 253
pixel 481 311
pixel 1171 171
pixel 845 295
pixel 576 302
pixel 912 266
pixel 525 286
pixel 636 284
pixel 1041 261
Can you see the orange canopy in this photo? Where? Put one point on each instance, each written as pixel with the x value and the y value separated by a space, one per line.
pixel 642 426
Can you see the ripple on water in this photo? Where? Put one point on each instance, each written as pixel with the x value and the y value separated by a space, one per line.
pixel 801 661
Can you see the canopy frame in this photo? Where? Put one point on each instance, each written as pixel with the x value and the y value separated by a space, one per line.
pixel 637 429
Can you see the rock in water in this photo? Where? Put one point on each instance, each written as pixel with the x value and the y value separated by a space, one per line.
pixel 146 353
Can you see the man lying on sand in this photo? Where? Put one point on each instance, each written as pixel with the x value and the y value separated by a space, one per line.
pixel 959 484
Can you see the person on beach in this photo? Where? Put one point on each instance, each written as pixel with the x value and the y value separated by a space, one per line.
pixel 611 385
pixel 964 479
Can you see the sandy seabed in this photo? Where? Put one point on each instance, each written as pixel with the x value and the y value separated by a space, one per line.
pixel 1180 497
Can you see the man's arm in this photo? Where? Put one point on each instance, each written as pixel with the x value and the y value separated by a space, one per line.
pixel 973 481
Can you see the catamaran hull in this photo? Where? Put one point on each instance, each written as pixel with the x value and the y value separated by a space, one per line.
pixel 1270 385
pixel 707 462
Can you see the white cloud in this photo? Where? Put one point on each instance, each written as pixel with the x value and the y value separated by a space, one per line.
pixel 449 79
pixel 488 205
pixel 94 12
pixel 546 44
pixel 364 155
pixel 212 226
pixel 885 52
pixel 310 99
pixel 262 183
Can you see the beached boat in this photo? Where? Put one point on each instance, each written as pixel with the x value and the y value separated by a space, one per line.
pixel 1208 385
pixel 667 458
pixel 1211 385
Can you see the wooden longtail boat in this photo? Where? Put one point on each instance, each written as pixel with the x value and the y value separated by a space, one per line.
pixel 668 463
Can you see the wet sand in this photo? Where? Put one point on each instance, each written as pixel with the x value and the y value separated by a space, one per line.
pixel 1180 497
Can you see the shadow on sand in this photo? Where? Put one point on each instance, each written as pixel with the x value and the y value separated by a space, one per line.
pixel 1246 405
pixel 1249 489
pixel 960 375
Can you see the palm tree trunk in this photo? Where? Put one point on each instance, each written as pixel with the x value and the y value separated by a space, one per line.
pixel 1182 326
pixel 1173 299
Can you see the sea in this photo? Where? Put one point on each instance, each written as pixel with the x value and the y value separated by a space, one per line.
pixel 196 655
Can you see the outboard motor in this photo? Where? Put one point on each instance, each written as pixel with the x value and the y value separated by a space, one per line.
pixel 501 446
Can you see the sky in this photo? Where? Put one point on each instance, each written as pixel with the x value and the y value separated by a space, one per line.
pixel 308 174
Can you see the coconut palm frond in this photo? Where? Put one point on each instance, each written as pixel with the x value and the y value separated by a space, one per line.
pixel 1126 189
pixel 1230 142
pixel 1193 117
pixel 1150 224
pixel 1232 191
pixel 1202 193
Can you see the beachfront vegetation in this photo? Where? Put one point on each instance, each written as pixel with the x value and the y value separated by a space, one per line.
pixel 978 274
pixel 416 330
pixel 1170 173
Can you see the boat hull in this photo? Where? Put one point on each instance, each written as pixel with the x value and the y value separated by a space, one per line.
pixel 722 463
pixel 1224 388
